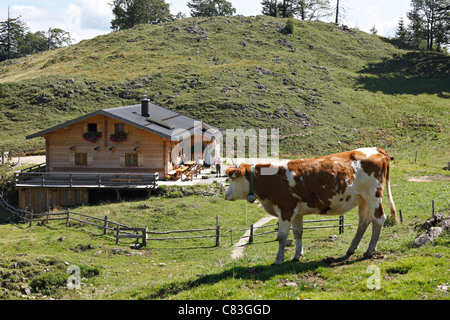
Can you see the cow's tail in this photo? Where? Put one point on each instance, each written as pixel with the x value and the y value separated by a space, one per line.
pixel 389 194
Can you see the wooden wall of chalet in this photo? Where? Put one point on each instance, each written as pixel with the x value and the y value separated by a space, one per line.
pixel 153 150
pixel 40 199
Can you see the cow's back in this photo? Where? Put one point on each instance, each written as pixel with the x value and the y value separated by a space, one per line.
pixel 323 185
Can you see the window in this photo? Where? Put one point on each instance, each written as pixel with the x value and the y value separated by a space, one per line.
pixel 131 159
pixel 92 127
pixel 81 159
pixel 119 128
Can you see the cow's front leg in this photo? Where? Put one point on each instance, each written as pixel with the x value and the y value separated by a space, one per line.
pixel 283 233
pixel 297 229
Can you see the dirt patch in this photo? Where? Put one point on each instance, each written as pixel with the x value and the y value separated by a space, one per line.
pixel 438 177
pixel 28 160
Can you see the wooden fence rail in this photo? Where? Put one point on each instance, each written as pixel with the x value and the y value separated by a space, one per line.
pixel 122 231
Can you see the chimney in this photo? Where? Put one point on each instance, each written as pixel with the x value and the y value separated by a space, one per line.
pixel 144 107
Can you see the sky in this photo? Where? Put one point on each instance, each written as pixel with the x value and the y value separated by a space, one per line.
pixel 86 19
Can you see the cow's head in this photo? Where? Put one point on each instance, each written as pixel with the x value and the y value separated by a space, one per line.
pixel 239 186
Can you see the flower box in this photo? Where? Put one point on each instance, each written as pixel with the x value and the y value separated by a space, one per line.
pixel 119 137
pixel 92 136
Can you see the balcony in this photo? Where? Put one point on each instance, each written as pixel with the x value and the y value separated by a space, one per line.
pixel 32 177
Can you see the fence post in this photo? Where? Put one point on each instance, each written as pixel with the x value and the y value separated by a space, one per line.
pixel 48 213
pixel 31 217
pixel 117 234
pixel 341 224
pixel 432 207
pixel 144 237
pixel 105 224
pixel 250 240
pixel 217 235
pixel 68 217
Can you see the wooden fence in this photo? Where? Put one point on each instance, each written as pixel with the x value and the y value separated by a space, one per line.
pixel 122 231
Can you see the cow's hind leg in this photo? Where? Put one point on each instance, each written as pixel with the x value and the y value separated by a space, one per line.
pixel 378 218
pixel 364 221
pixel 297 229
pixel 283 233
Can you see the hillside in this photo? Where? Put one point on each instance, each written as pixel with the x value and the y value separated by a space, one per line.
pixel 326 87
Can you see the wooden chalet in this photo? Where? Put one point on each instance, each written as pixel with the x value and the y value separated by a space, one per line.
pixel 124 148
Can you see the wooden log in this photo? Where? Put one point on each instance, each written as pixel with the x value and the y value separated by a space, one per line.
pixel 217 235
pixel 144 237
pixel 105 225
pixel 68 217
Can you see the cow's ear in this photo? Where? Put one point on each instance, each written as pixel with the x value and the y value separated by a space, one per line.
pixel 234 173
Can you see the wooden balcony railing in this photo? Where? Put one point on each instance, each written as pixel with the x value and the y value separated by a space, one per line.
pixel 85 180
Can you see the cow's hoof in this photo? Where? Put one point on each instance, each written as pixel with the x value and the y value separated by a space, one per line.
pixel 276 264
pixel 296 260
pixel 367 255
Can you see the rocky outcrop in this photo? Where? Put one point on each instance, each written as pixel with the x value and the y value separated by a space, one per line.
pixel 432 229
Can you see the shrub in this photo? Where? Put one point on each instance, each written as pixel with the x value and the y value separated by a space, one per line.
pixel 289 28
pixel 49 282
pixel 89 272
pixel 398 267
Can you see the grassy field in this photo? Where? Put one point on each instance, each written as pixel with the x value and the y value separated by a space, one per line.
pixel 326 88
pixel 35 258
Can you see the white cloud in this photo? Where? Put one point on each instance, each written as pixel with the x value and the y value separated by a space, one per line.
pixel 88 18
pixel 84 19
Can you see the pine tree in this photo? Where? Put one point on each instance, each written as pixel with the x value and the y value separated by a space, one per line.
pixel 401 33
pixel 429 22
pixel 12 33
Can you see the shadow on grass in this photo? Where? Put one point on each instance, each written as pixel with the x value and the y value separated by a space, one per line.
pixel 254 273
pixel 414 73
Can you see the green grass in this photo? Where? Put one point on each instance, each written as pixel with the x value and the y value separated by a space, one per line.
pixel 197 269
pixel 355 89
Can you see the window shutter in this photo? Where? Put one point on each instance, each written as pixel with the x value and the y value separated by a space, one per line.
pixel 122 159
pixel 140 160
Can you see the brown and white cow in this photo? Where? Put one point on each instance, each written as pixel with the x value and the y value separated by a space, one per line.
pixel 330 185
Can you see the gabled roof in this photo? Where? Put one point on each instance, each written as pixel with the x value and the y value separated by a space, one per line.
pixel 162 122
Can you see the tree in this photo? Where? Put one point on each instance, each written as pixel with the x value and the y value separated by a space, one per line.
pixel 33 42
pixel 313 9
pixel 304 9
pixel 211 8
pixel 401 33
pixel 429 22
pixel 129 13
pixel 270 8
pixel 57 38
pixel 443 24
pixel 340 11
pixel 282 8
pixel 12 33
pixel 16 41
